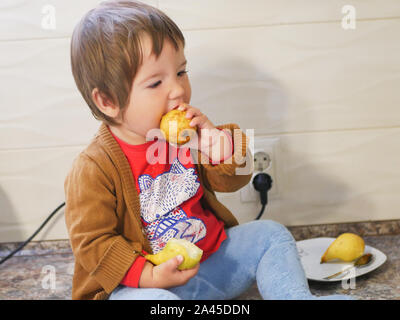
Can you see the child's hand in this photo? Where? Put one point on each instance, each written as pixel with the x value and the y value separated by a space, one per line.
pixel 205 138
pixel 198 119
pixel 166 275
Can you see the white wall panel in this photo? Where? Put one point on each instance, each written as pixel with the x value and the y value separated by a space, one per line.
pixel 27 19
pixel 207 14
pixel 31 187
pixel 41 105
pixel 34 19
pixel 329 177
pixel 298 78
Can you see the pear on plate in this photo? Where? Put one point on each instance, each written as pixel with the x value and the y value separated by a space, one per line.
pixel 189 251
pixel 346 247
pixel 176 127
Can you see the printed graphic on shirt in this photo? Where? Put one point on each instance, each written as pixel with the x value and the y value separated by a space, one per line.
pixel 160 199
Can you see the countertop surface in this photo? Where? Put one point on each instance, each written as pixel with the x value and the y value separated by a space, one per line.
pixel 45 272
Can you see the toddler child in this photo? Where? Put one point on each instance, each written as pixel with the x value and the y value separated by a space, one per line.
pixel 129 64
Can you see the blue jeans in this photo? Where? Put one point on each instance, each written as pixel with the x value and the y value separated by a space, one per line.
pixel 262 251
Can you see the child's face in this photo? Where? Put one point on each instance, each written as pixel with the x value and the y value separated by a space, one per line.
pixel 159 86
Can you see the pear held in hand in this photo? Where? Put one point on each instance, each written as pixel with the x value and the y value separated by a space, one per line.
pixel 176 127
pixel 190 252
pixel 346 247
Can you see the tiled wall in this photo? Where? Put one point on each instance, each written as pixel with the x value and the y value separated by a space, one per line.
pixel 286 69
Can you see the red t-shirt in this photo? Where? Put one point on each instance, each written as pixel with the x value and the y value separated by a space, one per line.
pixel 169 190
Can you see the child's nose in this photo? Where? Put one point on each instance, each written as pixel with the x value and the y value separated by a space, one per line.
pixel 177 92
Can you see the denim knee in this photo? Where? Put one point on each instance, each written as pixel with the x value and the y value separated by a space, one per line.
pixel 278 230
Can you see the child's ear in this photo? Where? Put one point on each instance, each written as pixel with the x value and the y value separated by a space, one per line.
pixel 104 104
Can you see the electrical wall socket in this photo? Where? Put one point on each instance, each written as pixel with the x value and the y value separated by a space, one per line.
pixel 264 151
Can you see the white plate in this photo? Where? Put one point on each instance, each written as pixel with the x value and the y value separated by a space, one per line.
pixel 311 251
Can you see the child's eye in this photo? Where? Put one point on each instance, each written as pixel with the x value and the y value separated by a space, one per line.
pixel 181 73
pixel 155 85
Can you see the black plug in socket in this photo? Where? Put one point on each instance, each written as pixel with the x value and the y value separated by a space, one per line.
pixel 262 182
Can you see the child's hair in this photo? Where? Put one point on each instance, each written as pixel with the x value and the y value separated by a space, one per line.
pixel 106 50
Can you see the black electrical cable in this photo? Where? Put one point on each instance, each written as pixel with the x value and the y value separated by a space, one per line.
pixel 261 212
pixel 33 235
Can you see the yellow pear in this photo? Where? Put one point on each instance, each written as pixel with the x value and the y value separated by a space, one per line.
pixel 346 247
pixel 190 252
pixel 176 127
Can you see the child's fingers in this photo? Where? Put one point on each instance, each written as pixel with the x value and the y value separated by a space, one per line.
pixel 189 273
pixel 182 106
pixel 192 272
pixel 190 111
pixel 197 117
pixel 197 121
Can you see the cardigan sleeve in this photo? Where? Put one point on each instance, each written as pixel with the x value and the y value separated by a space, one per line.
pixel 91 220
pixel 234 172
